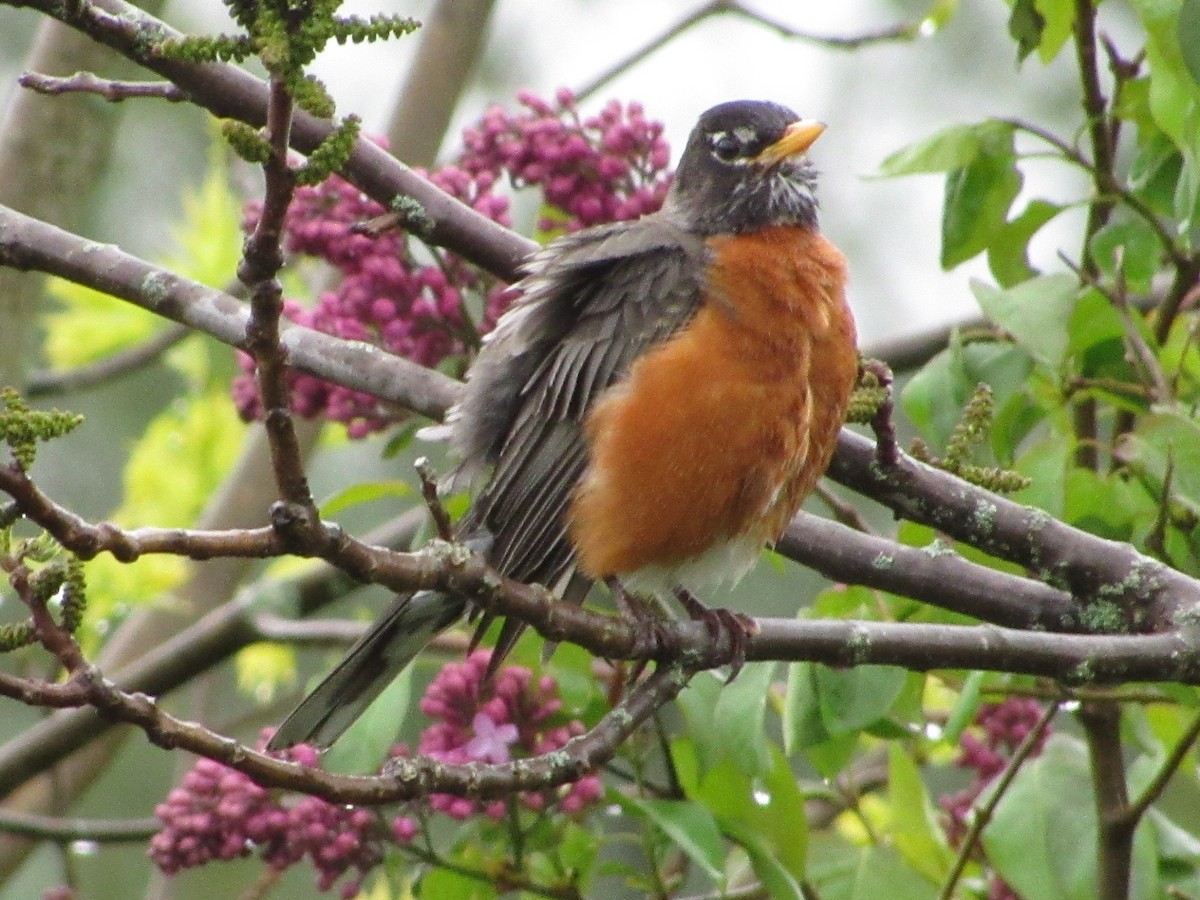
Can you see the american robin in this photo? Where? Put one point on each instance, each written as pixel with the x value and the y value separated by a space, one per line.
pixel 655 407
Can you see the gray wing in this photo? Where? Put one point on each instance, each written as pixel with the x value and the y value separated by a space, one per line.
pixel 594 302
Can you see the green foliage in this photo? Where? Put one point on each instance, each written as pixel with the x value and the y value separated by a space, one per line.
pixel 1094 349
pixel 971 430
pixel 23 428
pixel 246 141
pixel 286 37
pixel 331 154
pixel 868 396
pixel 173 470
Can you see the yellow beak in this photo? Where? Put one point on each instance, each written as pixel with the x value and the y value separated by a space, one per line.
pixel 797 138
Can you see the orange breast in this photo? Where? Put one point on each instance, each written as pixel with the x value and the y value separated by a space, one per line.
pixel 723 430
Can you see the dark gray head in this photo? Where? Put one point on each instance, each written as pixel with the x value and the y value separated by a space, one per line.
pixel 744 168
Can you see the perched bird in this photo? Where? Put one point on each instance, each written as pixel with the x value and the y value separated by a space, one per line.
pixel 655 407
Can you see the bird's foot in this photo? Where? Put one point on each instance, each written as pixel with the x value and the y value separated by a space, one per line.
pixel 429 492
pixel 651 638
pixel 737 626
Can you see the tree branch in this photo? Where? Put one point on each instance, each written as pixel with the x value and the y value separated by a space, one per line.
pixel 124 362
pixel 108 88
pixel 53 828
pixel 229 92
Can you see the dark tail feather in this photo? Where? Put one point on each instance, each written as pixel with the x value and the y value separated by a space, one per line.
pixel 408 624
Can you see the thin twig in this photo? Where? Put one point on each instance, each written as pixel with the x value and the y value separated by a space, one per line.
pixel 1135 810
pixel 844 512
pixel 903 31
pixel 119 364
pixel 429 491
pixel 262 259
pixel 510 879
pixel 983 814
pixel 54 828
pixel 754 891
pixel 109 89
pixel 1110 791
pixel 1107 185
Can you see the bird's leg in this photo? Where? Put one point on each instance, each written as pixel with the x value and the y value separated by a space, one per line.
pixel 887 451
pixel 650 636
pixel 429 492
pixel 737 626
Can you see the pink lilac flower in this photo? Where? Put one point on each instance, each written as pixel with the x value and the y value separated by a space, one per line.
pixel 608 167
pixel 485 721
pixel 383 295
pixel 1005 726
pixel 413 301
pixel 219 813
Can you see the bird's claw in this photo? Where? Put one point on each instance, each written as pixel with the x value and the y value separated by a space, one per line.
pixel 651 638
pixel 735 626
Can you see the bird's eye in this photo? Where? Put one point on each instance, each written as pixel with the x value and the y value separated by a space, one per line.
pixel 726 147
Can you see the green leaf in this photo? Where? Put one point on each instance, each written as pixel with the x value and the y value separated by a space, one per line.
pixel 739 717
pixel 449 885
pixel 89 325
pixel 207 242
pixel 727 720
pixel 1046 463
pixel 915 829
pixel 934 398
pixel 364 746
pixel 965 707
pixel 172 472
pixel 779 882
pixel 1025 25
pixel 1035 313
pixel 688 825
pixel 1174 92
pixel 852 699
pixel 1042 837
pixel 1008 255
pixel 698 701
pixel 263 667
pixel 779 816
pixel 1097 337
pixel 842 872
pixel 802 722
pixel 765 815
pixel 1059 17
pixel 950 149
pixel 1107 505
pixel 1162 439
pixel 364 492
pixel 1135 245
pixel 978 197
pixel 1188 31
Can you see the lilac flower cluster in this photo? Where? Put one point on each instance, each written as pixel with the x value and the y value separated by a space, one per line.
pixel 218 813
pixel 1005 726
pixel 493 721
pixel 384 295
pixel 411 302
pixel 604 168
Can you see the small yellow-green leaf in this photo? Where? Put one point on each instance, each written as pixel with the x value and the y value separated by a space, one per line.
pixel 914 826
pixel 949 149
pixel 365 492
pixel 688 825
pixel 1035 313
pixel 263 668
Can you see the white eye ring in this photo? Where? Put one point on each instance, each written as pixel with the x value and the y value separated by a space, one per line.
pixel 725 146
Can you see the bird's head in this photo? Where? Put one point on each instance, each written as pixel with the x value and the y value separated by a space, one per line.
pixel 745 168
